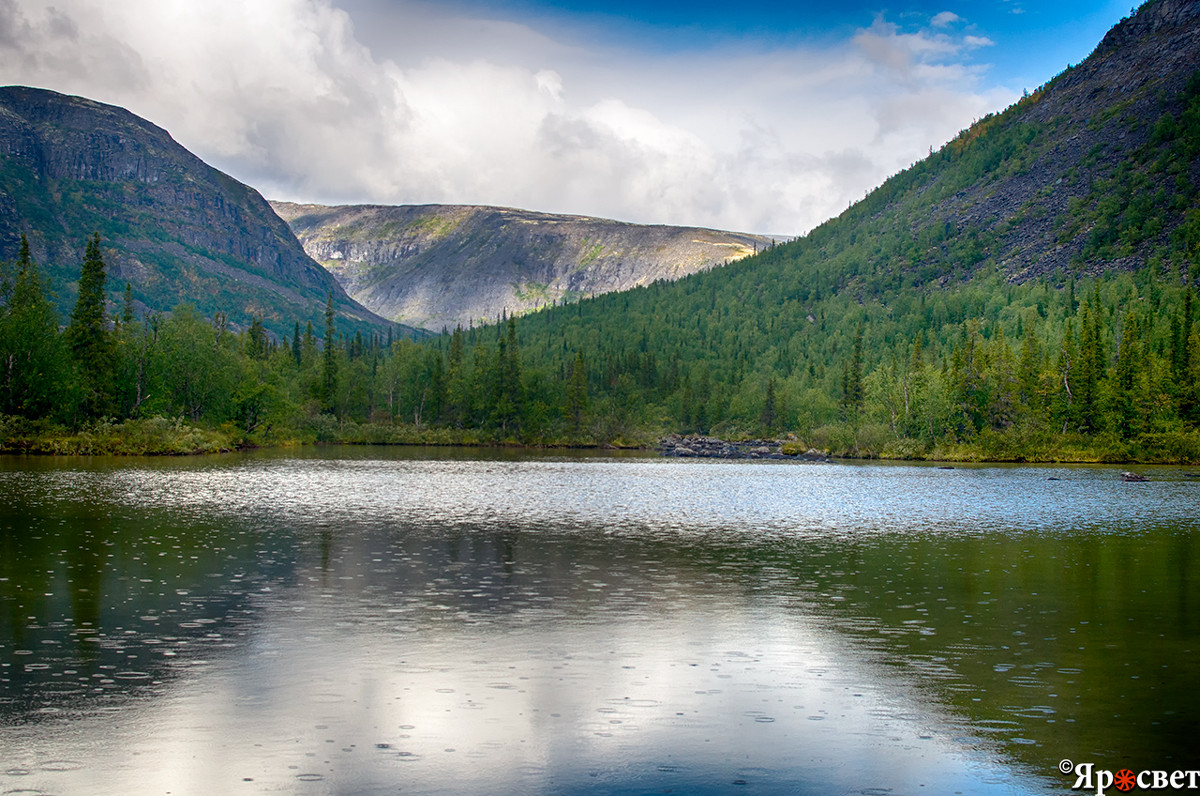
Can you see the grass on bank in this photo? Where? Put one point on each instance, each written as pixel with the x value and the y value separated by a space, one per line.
pixel 159 436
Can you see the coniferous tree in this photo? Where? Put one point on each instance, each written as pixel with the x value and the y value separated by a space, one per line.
pixel 88 337
pixel 852 379
pixel 31 361
pixel 1066 408
pixel 436 376
pixel 1126 388
pixel 1004 389
pixel 127 309
pixel 1091 365
pixel 769 416
pixel 506 380
pixel 1029 369
pixel 969 380
pixel 308 346
pixel 257 343
pixel 577 394
pixel 456 382
pixel 1182 354
pixel 328 388
pixel 297 352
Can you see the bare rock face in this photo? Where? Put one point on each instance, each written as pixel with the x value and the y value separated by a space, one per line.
pixel 176 229
pixel 438 266
pixel 1096 114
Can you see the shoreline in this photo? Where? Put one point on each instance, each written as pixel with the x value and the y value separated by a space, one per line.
pixel 166 437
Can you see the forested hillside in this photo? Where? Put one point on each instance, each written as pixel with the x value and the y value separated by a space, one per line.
pixel 1027 291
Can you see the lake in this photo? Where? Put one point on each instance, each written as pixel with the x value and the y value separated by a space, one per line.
pixel 398 620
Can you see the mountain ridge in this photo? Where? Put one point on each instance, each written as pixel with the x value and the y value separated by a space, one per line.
pixel 441 266
pixel 175 228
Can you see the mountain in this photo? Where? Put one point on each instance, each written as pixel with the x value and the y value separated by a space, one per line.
pixel 438 266
pixel 1034 278
pixel 176 229
pixel 1092 171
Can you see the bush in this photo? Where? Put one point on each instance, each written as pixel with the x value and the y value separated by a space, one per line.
pixel 156 436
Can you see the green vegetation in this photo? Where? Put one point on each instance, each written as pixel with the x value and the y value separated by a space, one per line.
pixel 982 371
pixel 590 254
pixel 1128 209
pixel 893 331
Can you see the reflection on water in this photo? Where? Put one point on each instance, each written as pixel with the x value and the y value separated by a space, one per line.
pixel 368 620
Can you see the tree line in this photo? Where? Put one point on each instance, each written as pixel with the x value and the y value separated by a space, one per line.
pixel 1106 361
pixel 115 364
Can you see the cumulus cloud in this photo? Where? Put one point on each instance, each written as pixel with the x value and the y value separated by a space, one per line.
pixel 977 41
pixel 408 102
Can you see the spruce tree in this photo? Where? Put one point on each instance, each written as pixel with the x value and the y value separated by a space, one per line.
pixel 329 361
pixel 577 394
pixel 768 416
pixel 127 305
pixel 308 346
pixel 1126 390
pixel 88 337
pixel 257 343
pixel 852 383
pixel 1029 373
pixel 456 383
pixel 297 354
pixel 1091 365
pixel 1187 361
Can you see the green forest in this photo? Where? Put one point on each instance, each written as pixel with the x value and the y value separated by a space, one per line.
pixel 1096 369
pixel 888 331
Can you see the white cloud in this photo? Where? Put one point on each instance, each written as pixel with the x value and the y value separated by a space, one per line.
pixel 978 41
pixel 408 102
pixel 945 19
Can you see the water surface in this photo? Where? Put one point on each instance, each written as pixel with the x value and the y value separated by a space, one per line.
pixel 382 620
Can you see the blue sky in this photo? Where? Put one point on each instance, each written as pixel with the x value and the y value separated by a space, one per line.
pixel 1033 40
pixel 758 115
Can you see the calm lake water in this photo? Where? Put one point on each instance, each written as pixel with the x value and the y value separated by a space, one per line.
pixel 389 620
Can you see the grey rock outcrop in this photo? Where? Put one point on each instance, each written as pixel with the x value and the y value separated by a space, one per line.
pixel 699 446
pixel 437 266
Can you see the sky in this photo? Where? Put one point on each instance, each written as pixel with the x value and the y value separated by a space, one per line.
pixel 757 115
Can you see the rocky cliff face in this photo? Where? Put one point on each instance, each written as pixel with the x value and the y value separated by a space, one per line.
pixel 1053 199
pixel 436 266
pixel 172 226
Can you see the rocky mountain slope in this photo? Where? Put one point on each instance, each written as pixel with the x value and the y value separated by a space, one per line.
pixel 173 227
pixel 1092 171
pixel 437 266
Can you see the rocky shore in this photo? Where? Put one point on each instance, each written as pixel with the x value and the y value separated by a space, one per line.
pixel 697 446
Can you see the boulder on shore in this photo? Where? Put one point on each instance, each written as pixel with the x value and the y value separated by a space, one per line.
pixel 699 446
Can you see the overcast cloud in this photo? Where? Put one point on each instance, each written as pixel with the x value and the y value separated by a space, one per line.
pixel 411 103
